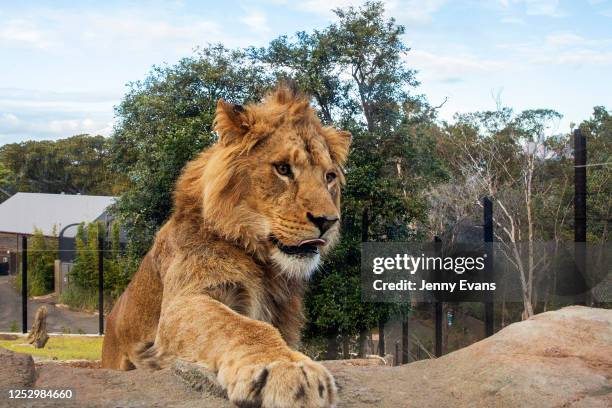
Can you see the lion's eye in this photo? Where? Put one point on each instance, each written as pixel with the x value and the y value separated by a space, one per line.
pixel 283 169
pixel 331 176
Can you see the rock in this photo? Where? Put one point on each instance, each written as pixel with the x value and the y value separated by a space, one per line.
pixel 16 371
pixel 555 359
pixel 5 336
pixel 199 378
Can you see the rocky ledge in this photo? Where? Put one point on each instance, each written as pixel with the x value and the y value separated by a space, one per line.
pixel 555 359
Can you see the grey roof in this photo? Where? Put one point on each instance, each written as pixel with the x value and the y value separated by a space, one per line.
pixel 24 211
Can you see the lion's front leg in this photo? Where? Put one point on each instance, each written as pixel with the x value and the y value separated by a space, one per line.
pixel 252 361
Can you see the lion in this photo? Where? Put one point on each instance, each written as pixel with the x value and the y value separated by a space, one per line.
pixel 223 283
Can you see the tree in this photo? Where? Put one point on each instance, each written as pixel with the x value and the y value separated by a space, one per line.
pixel 164 121
pixel 84 272
pixel 75 165
pixel 5 175
pixel 598 131
pixel 504 156
pixel 356 72
pixel 42 253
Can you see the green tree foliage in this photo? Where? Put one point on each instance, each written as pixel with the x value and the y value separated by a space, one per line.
pixel 42 253
pixel 76 165
pixel 84 273
pixel 356 72
pixel 164 121
pixel 5 177
pixel 598 131
pixel 83 288
pixel 116 264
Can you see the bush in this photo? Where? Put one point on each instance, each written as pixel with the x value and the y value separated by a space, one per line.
pixel 42 253
pixel 82 290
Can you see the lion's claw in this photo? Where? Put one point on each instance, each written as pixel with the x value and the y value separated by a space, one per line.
pixel 283 384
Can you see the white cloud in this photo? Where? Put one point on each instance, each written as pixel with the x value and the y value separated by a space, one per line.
pixel 137 32
pixel 14 128
pixel 542 7
pixel 450 68
pixel 256 21
pixel 324 7
pixel 8 120
pixel 563 48
pixel 19 32
pixel 414 11
pixel 606 13
pixel 120 31
pixel 513 20
pixel 549 8
pixel 405 11
pixel 563 39
pixel 33 114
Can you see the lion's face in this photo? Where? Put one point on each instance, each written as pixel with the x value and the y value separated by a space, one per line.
pixel 277 182
pixel 295 191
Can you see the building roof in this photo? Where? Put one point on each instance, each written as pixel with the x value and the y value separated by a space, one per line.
pixel 24 211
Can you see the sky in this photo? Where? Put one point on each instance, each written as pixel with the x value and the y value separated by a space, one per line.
pixel 64 65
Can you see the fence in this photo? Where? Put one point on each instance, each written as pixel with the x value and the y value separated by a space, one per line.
pixel 437 308
pixel 577 281
pixel 17 305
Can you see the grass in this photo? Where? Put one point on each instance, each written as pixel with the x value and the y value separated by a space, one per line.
pixel 85 299
pixel 78 298
pixel 60 348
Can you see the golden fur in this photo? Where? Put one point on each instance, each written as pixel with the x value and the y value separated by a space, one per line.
pixel 223 283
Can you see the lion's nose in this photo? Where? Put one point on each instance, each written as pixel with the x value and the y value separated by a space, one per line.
pixel 323 223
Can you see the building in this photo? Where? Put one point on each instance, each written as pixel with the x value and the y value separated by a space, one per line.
pixel 23 212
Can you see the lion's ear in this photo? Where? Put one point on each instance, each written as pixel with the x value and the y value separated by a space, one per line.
pixel 231 122
pixel 339 142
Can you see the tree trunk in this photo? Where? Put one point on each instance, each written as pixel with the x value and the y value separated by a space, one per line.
pixel 38 335
pixel 365 225
pixel 405 341
pixel 332 348
pixel 381 337
pixel 345 348
pixel 363 343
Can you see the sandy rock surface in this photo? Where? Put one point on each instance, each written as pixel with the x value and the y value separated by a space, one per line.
pixel 556 359
pixel 16 371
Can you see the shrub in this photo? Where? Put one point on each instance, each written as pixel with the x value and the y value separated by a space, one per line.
pixel 42 253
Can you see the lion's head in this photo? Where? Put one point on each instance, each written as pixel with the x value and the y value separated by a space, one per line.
pixel 272 181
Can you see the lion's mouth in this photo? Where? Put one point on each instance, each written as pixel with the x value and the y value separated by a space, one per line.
pixel 306 247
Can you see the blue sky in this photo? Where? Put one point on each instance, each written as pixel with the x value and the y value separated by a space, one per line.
pixel 65 64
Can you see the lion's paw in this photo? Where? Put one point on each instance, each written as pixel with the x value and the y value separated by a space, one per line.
pixel 282 384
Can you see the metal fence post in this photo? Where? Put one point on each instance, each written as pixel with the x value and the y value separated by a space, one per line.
pixel 580 216
pixel 438 306
pixel 488 237
pixel 101 284
pixel 405 340
pixel 381 337
pixel 24 284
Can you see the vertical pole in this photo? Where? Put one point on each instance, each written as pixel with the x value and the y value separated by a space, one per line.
pixel 580 192
pixel 381 337
pixel 100 284
pixel 24 284
pixel 405 341
pixel 580 212
pixel 397 354
pixel 438 312
pixel 488 237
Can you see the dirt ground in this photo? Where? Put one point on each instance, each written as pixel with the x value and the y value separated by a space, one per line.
pixel 59 320
pixel 556 359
